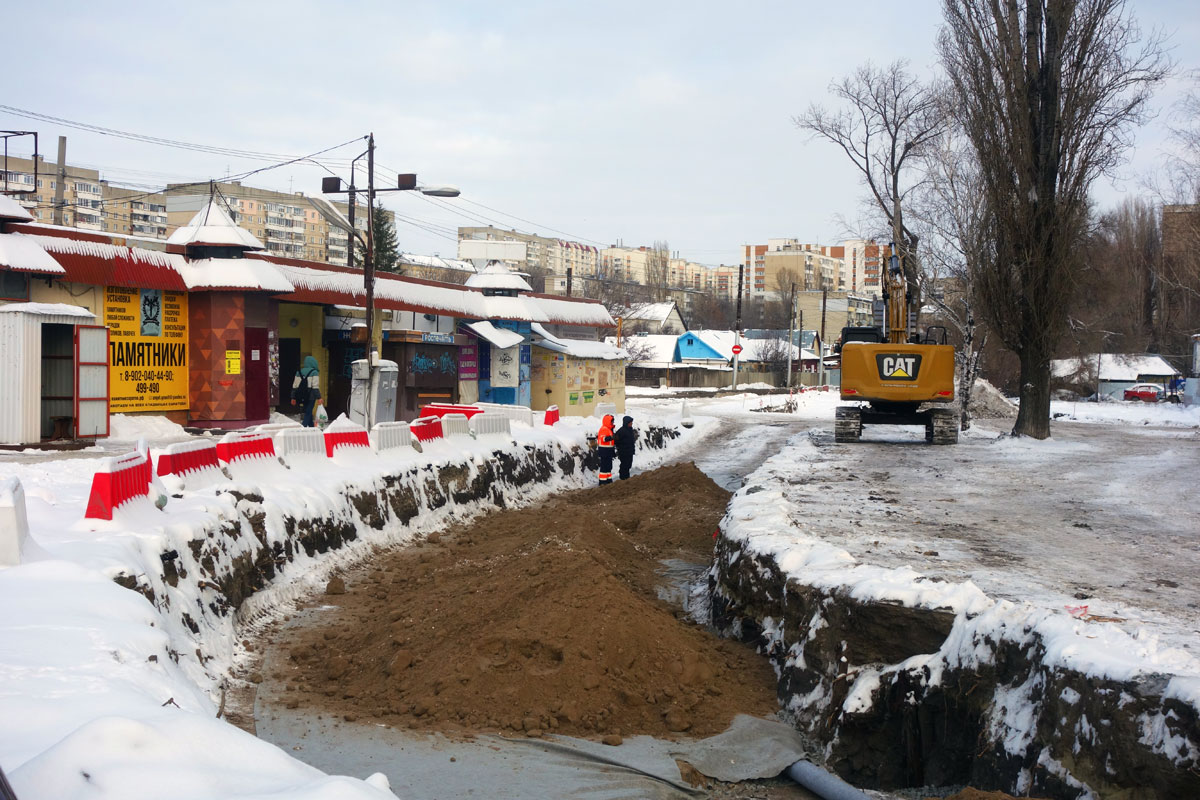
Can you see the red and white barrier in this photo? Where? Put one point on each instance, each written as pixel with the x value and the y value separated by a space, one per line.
pixel 297 441
pixel 117 481
pixel 182 458
pixel 346 440
pixel 442 409
pixel 551 417
pixel 240 445
pixel 426 428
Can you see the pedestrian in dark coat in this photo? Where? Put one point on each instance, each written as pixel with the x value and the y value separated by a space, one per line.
pixel 625 437
pixel 306 390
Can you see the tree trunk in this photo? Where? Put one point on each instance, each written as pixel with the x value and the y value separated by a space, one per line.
pixel 1033 418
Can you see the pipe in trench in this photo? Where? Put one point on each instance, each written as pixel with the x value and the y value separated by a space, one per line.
pixel 824 784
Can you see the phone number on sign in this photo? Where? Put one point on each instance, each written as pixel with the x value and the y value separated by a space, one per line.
pixel 147 375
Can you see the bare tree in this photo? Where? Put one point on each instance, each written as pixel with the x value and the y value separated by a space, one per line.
pixel 956 238
pixel 658 270
pixel 1047 92
pixel 887 122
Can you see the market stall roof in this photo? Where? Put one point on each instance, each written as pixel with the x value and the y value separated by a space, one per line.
pixel 10 209
pixel 212 227
pixel 576 347
pixel 95 263
pixel 47 310
pixel 22 254
pixel 573 311
pixel 499 337
pixel 498 276
pixel 232 273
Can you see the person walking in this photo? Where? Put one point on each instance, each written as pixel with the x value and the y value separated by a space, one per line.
pixel 625 438
pixel 306 389
pixel 606 445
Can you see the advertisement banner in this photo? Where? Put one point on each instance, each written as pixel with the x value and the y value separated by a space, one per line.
pixel 147 349
pixel 468 362
pixel 505 367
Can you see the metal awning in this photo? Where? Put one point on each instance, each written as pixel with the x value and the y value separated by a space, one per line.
pixel 499 337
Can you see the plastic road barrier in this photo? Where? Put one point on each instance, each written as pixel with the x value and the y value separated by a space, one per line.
pixel 551 415
pixel 426 428
pixel 238 445
pixel 184 457
pixel 116 482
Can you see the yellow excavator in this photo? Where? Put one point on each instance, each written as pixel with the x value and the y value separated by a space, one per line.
pixel 896 371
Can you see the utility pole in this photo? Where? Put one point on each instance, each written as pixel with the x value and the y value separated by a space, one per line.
pixel 737 326
pixel 369 261
pixel 60 184
pixel 791 332
pixel 824 306
pixel 350 236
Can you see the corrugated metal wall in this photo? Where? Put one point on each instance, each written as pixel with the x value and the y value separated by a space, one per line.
pixel 20 377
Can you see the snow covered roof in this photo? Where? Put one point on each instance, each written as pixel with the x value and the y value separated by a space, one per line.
pixel 23 254
pixel 500 337
pixel 574 311
pixel 659 349
pixel 576 347
pixel 232 273
pixel 497 276
pixel 47 310
pixel 436 261
pixel 653 312
pixel 212 226
pixel 12 210
pixel 1113 366
pixel 721 341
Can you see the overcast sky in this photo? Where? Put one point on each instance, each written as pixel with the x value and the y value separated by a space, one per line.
pixel 599 122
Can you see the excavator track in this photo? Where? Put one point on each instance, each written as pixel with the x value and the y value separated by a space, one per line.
pixel 847 424
pixel 942 427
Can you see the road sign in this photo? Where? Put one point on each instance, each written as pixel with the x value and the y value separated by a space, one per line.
pixel 737 348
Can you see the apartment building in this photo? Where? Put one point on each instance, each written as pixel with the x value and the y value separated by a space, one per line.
pixel 285 222
pixel 542 254
pixel 83 192
pixel 864 263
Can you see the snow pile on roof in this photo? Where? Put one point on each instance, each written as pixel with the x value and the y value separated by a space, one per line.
pixel 12 210
pixel 575 347
pixel 83 247
pixel 500 337
pixel 721 341
pixel 1113 366
pixel 232 273
pixel 519 307
pixel 212 226
pixel 497 276
pixel 47 310
pixel 22 254
pixel 574 312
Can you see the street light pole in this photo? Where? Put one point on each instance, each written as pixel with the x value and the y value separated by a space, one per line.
pixel 333 185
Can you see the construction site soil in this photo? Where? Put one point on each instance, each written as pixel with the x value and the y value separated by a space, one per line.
pixel 539 620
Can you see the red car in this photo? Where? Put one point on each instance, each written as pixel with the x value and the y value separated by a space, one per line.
pixel 1146 392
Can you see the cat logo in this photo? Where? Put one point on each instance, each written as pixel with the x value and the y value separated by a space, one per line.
pixel 898 366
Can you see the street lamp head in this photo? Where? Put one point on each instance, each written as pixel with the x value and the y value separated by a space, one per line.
pixel 441 190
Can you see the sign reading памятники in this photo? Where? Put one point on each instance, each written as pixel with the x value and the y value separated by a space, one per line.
pixel 147 349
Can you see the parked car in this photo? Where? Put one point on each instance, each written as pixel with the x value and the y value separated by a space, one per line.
pixel 1146 392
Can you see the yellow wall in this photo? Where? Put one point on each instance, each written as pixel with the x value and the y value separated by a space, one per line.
pixel 72 294
pixel 580 379
pixel 309 325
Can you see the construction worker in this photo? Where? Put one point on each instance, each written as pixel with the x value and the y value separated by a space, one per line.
pixel 625 438
pixel 607 446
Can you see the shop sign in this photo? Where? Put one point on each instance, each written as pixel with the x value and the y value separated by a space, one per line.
pixel 147 349
pixel 438 338
pixel 468 362
pixel 233 362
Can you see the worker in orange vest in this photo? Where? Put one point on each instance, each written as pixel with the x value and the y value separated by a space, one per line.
pixel 608 448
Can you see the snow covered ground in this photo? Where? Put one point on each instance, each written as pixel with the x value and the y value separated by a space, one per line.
pixel 103 710
pixel 103 695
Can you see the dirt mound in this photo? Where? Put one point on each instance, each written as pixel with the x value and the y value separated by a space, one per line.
pixel 987 402
pixel 538 620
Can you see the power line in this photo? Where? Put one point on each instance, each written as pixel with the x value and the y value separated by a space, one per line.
pixel 139 137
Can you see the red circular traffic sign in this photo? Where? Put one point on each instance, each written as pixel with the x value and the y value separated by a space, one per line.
pixel 737 348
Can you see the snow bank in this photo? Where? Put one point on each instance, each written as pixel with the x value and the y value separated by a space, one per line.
pixel 112 693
